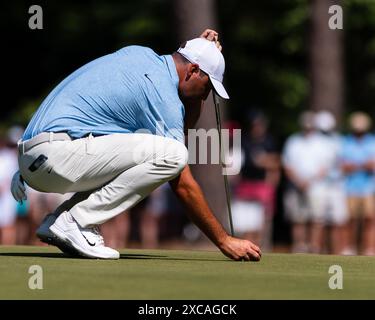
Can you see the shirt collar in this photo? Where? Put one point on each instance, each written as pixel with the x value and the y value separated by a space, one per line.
pixel 172 69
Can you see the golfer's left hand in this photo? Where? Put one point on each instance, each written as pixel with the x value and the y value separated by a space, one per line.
pixel 211 35
pixel 18 188
pixel 238 249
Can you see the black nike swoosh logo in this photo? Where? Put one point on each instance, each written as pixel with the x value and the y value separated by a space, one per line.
pixel 91 244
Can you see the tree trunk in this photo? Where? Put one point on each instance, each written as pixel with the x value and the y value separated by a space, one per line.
pixel 326 61
pixel 192 17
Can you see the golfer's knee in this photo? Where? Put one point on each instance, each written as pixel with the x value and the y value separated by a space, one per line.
pixel 177 156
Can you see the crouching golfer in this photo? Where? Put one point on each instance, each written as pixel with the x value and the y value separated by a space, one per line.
pixel 112 132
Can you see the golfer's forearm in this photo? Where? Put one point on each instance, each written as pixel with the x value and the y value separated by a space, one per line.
pixel 191 195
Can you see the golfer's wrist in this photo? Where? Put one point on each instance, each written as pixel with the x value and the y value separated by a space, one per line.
pixel 222 240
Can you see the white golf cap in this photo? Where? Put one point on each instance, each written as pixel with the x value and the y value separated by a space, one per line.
pixel 325 121
pixel 210 60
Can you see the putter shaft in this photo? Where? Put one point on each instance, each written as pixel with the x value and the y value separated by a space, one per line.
pixel 226 184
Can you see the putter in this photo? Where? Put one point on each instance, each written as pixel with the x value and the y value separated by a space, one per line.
pixel 226 185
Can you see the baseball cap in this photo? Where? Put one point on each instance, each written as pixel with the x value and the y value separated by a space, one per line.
pixel 210 60
pixel 325 121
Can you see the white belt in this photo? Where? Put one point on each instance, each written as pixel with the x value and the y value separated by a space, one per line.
pixel 24 146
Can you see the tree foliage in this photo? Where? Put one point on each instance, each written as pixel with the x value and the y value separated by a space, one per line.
pixel 265 44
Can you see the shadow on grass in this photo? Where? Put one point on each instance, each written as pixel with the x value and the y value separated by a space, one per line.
pixel 129 256
pixel 140 256
pixel 60 255
pixel 38 254
pixel 157 257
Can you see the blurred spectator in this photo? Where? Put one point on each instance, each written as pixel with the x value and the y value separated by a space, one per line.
pixel 358 164
pixel 8 206
pixel 116 231
pixel 23 223
pixel 253 206
pixel 19 210
pixel 154 208
pixel 301 154
pixel 328 196
pixel 40 204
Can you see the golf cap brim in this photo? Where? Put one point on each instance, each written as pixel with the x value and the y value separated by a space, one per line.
pixel 219 88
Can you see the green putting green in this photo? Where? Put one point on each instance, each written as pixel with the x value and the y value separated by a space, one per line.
pixel 175 274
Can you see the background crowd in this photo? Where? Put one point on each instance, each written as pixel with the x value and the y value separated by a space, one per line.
pixel 328 189
pixel 325 180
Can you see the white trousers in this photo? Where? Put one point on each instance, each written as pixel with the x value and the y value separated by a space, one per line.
pixel 109 174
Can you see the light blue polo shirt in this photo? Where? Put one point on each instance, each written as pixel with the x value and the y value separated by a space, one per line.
pixel 358 151
pixel 129 90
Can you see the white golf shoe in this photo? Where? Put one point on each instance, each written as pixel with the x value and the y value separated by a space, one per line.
pixel 87 241
pixel 45 235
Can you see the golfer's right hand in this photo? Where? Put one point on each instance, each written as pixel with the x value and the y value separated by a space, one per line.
pixel 211 35
pixel 238 249
pixel 18 187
